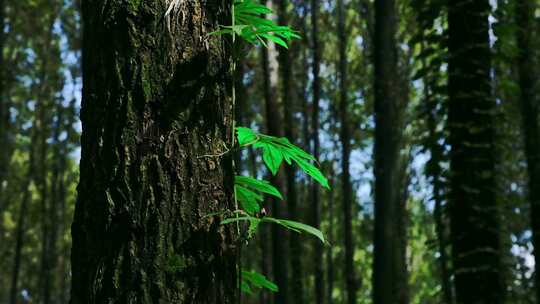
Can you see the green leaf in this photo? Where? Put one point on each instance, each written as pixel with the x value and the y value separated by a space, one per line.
pixel 259 185
pixel 276 40
pixel 312 171
pixel 246 136
pixel 248 199
pixel 256 29
pixel 277 149
pixel 244 286
pixel 291 225
pixel 297 226
pixel 294 150
pixel 258 280
pixel 239 219
pixel 272 156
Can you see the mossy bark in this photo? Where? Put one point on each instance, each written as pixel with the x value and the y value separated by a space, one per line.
pixel 155 101
pixel 474 214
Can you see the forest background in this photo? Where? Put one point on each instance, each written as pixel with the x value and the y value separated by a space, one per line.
pixel 321 94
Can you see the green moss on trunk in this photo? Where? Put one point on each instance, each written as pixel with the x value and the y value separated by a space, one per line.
pixel 153 101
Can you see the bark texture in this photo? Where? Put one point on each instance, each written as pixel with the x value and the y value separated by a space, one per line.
pixel 155 105
pixel 474 219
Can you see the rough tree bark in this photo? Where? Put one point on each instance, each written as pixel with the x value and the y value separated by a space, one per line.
pixel 156 110
pixel 529 110
pixel 474 222
pixel 387 264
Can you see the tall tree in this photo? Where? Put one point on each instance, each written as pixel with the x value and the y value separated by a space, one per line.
pixel 389 284
pixel 474 219
pixel 274 126
pixel 45 96
pixel 285 67
pixel 155 111
pixel 4 118
pixel 345 136
pixel 21 224
pixel 316 205
pixel 529 111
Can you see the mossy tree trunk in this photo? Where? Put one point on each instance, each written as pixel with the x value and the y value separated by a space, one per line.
pixel 155 102
pixel 474 222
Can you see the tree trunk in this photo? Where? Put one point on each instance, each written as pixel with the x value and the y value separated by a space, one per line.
pixel 529 109
pixel 330 272
pixel 21 227
pixel 155 105
pixel 345 137
pixel 4 122
pixel 473 209
pixel 316 206
pixel 285 67
pixel 387 265
pixel 274 127
pixel 57 196
pixel 434 170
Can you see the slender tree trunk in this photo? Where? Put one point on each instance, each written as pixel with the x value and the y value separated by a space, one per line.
pixel 285 66
pixel 274 126
pixel 531 128
pixel 435 171
pixel 57 196
pixel 155 104
pixel 45 275
pixel 21 228
pixel 4 122
pixel 345 136
pixel 473 209
pixel 387 265
pixel 329 254
pixel 316 206
pixel 64 271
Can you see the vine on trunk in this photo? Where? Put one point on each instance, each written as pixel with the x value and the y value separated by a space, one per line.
pixel 248 22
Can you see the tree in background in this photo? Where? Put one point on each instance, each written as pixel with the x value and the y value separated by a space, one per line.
pixel 39 150
pixel 155 102
pixel 315 195
pixel 274 127
pixel 529 110
pixel 474 218
pixel 345 136
pixel 295 249
pixel 389 285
